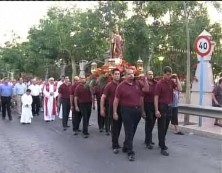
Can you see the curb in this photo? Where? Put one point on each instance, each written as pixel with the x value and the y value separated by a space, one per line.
pixel 200 132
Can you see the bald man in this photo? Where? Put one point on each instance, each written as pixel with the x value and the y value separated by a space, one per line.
pixel 76 116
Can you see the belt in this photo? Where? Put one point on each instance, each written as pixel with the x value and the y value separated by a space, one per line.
pixel 134 107
pixel 19 94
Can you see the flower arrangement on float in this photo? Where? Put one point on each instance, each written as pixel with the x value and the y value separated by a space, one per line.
pixel 102 75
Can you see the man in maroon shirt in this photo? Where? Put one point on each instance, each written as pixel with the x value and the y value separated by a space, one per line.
pixel 97 91
pixel 129 96
pixel 163 100
pixel 76 116
pixel 149 108
pixel 109 93
pixel 64 96
pixel 83 99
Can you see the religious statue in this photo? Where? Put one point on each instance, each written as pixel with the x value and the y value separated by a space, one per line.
pixel 116 45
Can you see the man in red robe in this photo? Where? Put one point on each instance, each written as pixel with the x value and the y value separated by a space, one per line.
pixel 50 107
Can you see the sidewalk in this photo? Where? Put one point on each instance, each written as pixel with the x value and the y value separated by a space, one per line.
pixel 207 129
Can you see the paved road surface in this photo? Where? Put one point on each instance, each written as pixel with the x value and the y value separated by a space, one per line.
pixel 45 148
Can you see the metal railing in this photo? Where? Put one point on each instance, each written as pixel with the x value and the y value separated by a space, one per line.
pixel 203 111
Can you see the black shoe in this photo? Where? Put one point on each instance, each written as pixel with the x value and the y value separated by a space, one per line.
pixel 78 130
pixel 10 119
pixel 164 152
pixel 19 117
pixel 179 133
pixel 124 150
pixel 100 130
pixel 64 129
pixel 149 146
pixel 115 150
pixel 107 134
pixel 131 157
pixel 67 126
pixel 152 143
pixel 47 121
pixel 75 133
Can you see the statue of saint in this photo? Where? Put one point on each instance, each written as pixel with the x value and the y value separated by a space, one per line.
pixel 117 45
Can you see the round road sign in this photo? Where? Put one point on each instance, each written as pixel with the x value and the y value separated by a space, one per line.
pixel 202 46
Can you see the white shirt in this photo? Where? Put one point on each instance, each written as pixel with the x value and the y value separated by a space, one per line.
pixel 35 90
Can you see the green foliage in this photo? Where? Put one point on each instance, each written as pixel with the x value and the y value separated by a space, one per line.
pixel 71 35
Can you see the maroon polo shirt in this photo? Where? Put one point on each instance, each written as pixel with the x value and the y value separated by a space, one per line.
pixel 73 87
pixel 129 95
pixel 72 90
pixel 149 96
pixel 164 89
pixel 83 93
pixel 109 91
pixel 97 92
pixel 64 90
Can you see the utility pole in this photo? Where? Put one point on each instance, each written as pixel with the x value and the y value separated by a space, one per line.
pixel 186 117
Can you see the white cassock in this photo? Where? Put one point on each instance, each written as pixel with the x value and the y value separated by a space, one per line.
pixel 26 115
pixel 50 106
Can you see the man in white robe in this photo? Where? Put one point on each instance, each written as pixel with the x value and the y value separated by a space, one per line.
pixel 50 92
pixel 26 115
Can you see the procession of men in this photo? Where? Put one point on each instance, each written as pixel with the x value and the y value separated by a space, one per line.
pixel 120 102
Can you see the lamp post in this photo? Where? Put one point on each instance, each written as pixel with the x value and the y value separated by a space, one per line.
pixel 186 117
pixel 160 58
pixel 139 64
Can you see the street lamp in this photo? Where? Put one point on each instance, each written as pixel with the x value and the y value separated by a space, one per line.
pixel 139 64
pixel 160 58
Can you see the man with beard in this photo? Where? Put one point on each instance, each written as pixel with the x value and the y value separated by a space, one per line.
pixel 83 98
pixel 163 99
pixel 109 93
pixel 129 96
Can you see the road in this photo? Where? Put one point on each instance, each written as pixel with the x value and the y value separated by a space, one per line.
pixel 43 147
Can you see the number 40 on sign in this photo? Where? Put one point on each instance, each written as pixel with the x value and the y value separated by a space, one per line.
pixel 202 46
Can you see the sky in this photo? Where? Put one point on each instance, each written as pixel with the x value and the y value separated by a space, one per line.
pixel 20 16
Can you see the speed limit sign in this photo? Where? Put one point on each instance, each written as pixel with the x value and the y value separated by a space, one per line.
pixel 202 46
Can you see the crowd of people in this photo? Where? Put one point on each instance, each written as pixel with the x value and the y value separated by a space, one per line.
pixel 121 101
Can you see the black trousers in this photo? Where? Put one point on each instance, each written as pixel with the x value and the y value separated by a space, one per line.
pixel 35 105
pixel 108 118
pixel 100 119
pixel 6 105
pixel 149 121
pixel 65 111
pixel 85 110
pixel 163 123
pixel 116 126
pixel 131 117
pixel 76 119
